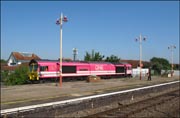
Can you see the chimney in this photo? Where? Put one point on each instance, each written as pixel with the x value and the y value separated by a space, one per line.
pixel 33 56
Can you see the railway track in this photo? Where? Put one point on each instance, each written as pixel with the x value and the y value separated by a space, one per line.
pixel 142 107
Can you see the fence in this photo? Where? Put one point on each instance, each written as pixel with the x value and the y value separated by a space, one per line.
pixel 136 72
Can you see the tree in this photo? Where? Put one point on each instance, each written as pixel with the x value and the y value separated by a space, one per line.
pixel 3 61
pixel 146 64
pixel 87 57
pixel 158 64
pixel 94 56
pixel 112 58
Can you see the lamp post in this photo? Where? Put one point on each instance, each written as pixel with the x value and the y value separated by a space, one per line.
pixel 140 39
pixel 172 47
pixel 60 22
pixel 74 53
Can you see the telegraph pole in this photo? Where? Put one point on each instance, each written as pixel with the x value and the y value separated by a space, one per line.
pixel 140 39
pixel 172 47
pixel 60 22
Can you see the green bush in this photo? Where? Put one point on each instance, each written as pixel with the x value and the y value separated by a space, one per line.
pixel 18 77
pixel 4 75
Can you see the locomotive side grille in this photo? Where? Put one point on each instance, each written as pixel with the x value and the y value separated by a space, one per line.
pixel 68 69
pixel 120 69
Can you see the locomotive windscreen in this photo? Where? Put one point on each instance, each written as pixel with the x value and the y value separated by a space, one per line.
pixel 120 69
pixel 68 69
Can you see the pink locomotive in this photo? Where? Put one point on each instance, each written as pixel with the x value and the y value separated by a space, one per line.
pixel 41 69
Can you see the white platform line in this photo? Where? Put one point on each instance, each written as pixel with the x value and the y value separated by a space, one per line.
pixel 32 107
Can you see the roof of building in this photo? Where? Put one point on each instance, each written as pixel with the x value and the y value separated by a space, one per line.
pixel 24 56
pixel 135 63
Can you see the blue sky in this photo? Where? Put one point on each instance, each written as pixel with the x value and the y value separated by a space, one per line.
pixel 108 27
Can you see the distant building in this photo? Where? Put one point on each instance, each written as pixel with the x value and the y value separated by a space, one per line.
pixel 17 58
pixel 135 63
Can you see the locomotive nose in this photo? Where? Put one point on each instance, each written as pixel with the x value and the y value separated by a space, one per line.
pixel 33 76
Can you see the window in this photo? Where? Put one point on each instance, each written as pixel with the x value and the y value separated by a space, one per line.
pixel 129 68
pixel 43 68
pixel 33 67
pixel 30 67
pixel 12 64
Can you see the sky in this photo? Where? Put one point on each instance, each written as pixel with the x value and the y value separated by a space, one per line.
pixel 108 27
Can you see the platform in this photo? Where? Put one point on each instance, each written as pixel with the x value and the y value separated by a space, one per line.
pixel 31 94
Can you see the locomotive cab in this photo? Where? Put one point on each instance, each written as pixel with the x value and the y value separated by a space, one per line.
pixel 128 70
pixel 33 70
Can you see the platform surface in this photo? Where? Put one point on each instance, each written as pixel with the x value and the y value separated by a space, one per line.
pixel 23 95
